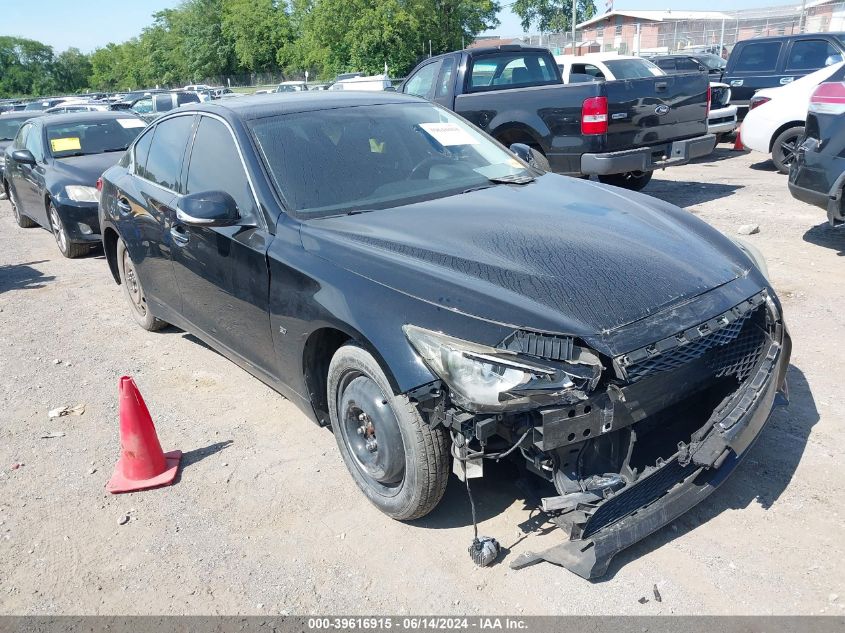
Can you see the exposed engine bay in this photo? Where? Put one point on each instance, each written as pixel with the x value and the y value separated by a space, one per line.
pixel 616 436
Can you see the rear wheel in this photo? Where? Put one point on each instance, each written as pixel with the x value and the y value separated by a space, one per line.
pixel 785 147
pixel 20 219
pixel 399 462
pixel 633 180
pixel 66 247
pixel 134 292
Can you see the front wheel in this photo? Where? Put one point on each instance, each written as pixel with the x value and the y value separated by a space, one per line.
pixel 633 180
pixel 785 146
pixel 134 292
pixel 66 247
pixel 398 461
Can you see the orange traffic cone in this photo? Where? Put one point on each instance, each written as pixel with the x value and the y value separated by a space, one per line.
pixel 738 146
pixel 142 463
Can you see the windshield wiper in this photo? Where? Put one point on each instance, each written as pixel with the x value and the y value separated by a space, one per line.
pixel 115 149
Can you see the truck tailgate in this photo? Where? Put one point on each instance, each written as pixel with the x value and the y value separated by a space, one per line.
pixel 654 110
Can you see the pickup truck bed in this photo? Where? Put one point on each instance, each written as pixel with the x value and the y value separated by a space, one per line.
pixel 611 129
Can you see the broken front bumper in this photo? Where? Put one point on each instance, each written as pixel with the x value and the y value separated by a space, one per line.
pixel 682 481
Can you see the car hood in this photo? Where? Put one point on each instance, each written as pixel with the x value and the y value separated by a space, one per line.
pixel 560 254
pixel 83 170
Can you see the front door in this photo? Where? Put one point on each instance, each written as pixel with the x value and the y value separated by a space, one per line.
pixel 222 271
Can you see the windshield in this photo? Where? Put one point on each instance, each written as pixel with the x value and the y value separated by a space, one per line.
pixel 92 137
pixel 9 127
pixel 632 69
pixel 330 162
pixel 713 62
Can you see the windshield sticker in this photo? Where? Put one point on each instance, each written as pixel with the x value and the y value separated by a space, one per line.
pixel 65 144
pixel 131 123
pixel 448 134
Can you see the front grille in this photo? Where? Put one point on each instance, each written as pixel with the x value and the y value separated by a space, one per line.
pixel 686 353
pixel 631 499
pixel 731 343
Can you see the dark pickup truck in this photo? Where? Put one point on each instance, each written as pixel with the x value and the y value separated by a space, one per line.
pixel 620 131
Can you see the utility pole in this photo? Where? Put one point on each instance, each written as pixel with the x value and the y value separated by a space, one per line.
pixel 722 39
pixel 801 18
pixel 638 39
pixel 574 19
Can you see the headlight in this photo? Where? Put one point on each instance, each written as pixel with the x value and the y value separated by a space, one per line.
pixel 755 256
pixel 486 379
pixel 80 193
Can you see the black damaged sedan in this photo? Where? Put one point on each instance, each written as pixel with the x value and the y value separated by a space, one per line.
pixel 51 171
pixel 439 303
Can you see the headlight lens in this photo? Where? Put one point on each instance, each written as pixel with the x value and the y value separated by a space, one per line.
pixel 486 379
pixel 80 193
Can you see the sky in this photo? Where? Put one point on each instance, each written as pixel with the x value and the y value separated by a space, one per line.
pixel 90 24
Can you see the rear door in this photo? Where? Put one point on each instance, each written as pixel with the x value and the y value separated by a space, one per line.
pixel 645 109
pixel 756 66
pixel 807 55
pixel 222 272
pixel 146 199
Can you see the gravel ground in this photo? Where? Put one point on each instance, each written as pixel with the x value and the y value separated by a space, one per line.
pixel 265 519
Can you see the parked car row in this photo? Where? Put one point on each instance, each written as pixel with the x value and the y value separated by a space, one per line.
pixel 439 298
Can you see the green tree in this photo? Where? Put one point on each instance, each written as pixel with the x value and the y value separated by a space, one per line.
pixel 258 30
pixel 71 70
pixel 26 67
pixel 552 16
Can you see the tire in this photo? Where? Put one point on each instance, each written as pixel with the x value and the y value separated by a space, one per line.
pixel 66 247
pixel 21 220
pixel 405 474
pixel 134 292
pixel 633 180
pixel 784 147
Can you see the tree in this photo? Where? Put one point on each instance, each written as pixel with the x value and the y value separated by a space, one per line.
pixel 71 70
pixel 26 67
pixel 552 16
pixel 258 30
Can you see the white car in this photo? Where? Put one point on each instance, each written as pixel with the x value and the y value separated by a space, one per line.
pixel 64 108
pixel 776 117
pixel 610 66
pixel 197 87
pixel 292 86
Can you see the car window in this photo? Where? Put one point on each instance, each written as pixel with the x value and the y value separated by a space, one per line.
pixel 94 136
pixel 758 57
pixel 162 103
pixel 511 69
pixel 444 84
pixel 421 83
pixel 35 145
pixel 587 69
pixel 142 148
pixel 633 69
pixel 207 172
pixel 164 160
pixel 20 137
pixel 143 106
pixel 9 128
pixel 811 55
pixel 688 64
pixel 334 161
pixel 186 97
pixel 666 64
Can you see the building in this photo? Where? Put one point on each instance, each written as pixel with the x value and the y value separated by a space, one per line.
pixel 635 32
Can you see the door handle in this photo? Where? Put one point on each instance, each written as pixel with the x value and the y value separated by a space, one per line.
pixel 179 234
pixel 123 206
pixel 661 86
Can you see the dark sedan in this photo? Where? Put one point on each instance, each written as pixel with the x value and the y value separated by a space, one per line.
pixel 51 172
pixel 10 123
pixel 405 279
pixel 817 175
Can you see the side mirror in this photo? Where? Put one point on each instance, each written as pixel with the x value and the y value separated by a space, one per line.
pixel 209 208
pixel 531 156
pixel 390 89
pixel 23 157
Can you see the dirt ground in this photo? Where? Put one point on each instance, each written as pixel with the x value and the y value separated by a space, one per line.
pixel 265 519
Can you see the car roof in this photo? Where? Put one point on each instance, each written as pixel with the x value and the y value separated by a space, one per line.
pixel 86 117
pixel 259 106
pixel 22 114
pixel 840 35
